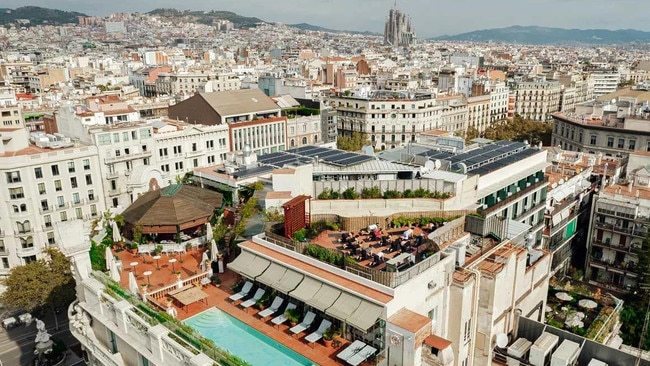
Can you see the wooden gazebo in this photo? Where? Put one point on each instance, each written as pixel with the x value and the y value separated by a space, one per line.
pixel 171 210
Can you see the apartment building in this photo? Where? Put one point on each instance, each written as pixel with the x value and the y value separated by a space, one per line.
pixel 605 82
pixel 190 82
pixel 304 130
pixel 612 129
pixel 478 112
pixel 536 99
pixel 392 119
pixel 252 118
pixel 46 179
pixel 499 93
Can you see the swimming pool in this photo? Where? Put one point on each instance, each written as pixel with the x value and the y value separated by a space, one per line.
pixel 243 341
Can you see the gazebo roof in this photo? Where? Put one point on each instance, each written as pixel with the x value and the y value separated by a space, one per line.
pixel 172 205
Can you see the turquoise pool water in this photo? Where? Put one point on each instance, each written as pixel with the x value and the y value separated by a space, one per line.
pixel 244 341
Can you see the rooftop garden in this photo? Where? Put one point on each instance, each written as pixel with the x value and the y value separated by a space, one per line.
pixel 374 192
pixel 580 310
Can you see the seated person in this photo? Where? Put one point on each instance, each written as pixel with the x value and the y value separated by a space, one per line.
pixel 405 246
pixel 419 240
pixel 373 227
pixel 407 234
pixel 395 245
pixel 344 237
pixel 364 254
pixel 375 260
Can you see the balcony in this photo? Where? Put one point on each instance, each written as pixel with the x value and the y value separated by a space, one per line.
pixel 114 192
pixel 126 157
pixel 622 266
pixel 617 247
pixel 112 175
pixel 45 209
pixel 191 154
pixel 514 197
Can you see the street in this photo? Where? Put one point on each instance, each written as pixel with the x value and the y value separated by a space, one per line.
pixel 17 344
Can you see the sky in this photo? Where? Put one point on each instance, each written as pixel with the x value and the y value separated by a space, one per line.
pixel 429 17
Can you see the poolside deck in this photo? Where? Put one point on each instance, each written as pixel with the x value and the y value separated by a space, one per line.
pixel 218 297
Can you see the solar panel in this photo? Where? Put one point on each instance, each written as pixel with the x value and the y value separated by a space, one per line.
pixel 356 160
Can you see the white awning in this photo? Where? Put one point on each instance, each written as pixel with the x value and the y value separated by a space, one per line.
pixel 242 262
pixel 288 282
pixel 344 306
pixel 365 316
pixel 272 275
pixel 324 298
pixel 306 289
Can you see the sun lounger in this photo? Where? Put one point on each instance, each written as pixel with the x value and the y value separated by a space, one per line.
pixel 305 324
pixel 250 302
pixel 361 356
pixel 243 293
pixel 351 350
pixel 318 334
pixel 275 306
pixel 283 318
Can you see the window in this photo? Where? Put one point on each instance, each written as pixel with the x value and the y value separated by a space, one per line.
pixel 55 170
pixel 13 177
pixel 195 162
pixel 104 139
pixel 178 165
pixel 48 220
pixel 64 216
pixel 115 202
pixel 164 168
pixel 71 167
pixel 593 139
pixel 78 213
pixel 116 137
pixel 57 185
pixel 134 135
pixel 38 173
pixel 631 144
pixel 209 144
pixel 16 193
pixel 60 201
pixel 27 243
pixel 118 152
pixel 24 227
pixel 621 143
pixel 5 262
pixel 93 210
pixel 50 238
pixel 193 146
pixel 29 259
pixel 467 332
pixel 75 198
pixel 177 150
pixel 86 164
pixel 73 182
pixel 89 179
pixel 91 195
pixel 44 205
pixel 145 133
pixel 433 315
pixel 41 188
pixel 162 152
pixel 610 142
pixel 125 136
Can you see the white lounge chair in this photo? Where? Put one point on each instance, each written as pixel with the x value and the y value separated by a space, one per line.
pixel 243 292
pixel 283 318
pixel 318 334
pixel 361 356
pixel 275 306
pixel 305 324
pixel 250 302
pixel 351 350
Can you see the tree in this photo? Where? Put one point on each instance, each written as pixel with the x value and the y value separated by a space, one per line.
pixel 636 303
pixel 352 143
pixel 520 129
pixel 44 283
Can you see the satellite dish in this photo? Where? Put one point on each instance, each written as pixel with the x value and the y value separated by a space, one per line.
pixel 502 340
pixel 437 164
pixel 614 101
pixel 429 166
pixel 368 150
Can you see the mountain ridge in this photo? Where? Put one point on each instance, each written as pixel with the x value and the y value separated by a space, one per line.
pixel 549 35
pixel 37 15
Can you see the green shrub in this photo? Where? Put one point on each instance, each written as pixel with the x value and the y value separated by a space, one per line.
pixel 97 257
pixel 350 194
pixel 373 192
pixel 408 194
pixel 390 194
pixel 335 195
pixel 300 235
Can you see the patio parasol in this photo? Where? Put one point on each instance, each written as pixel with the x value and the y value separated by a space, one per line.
pixel 214 250
pixel 116 233
pixel 587 304
pixel 575 320
pixel 204 261
pixel 208 231
pixel 133 284
pixel 564 296
pixel 111 263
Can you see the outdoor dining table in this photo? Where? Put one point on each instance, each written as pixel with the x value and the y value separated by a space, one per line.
pixel 190 296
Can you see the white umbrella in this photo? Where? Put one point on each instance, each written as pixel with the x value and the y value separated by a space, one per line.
pixel 133 284
pixel 587 304
pixel 214 250
pixel 114 272
pixel 564 296
pixel 204 261
pixel 208 231
pixel 575 320
pixel 116 233
pixel 108 257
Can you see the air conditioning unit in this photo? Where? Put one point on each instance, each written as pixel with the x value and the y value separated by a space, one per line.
pixel 566 355
pixel 540 351
pixel 518 349
pixel 595 362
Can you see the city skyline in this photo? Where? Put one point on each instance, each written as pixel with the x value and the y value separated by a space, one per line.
pixel 425 15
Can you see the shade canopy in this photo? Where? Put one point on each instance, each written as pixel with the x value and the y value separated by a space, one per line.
pixel 173 208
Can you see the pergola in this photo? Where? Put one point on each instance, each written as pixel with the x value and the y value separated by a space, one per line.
pixel 171 210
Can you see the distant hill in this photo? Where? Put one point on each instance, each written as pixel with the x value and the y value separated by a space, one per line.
pixel 207 17
pixel 37 15
pixel 545 35
pixel 315 28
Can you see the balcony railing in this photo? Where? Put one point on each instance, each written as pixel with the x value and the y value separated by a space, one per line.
pixel 112 175
pixel 618 247
pixel 514 197
pixel 125 157
pixel 623 266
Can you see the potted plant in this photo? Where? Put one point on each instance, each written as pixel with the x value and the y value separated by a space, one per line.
pixel 215 280
pixel 169 301
pixel 178 274
pixel 133 248
pixel 158 249
pixel 188 246
pixel 144 287
pixel 328 336
pixel 263 301
pixel 293 316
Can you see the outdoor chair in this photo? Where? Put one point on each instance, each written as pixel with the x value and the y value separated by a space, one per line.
pixel 245 290
pixel 250 302
pixel 305 324
pixel 275 306
pixel 318 334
